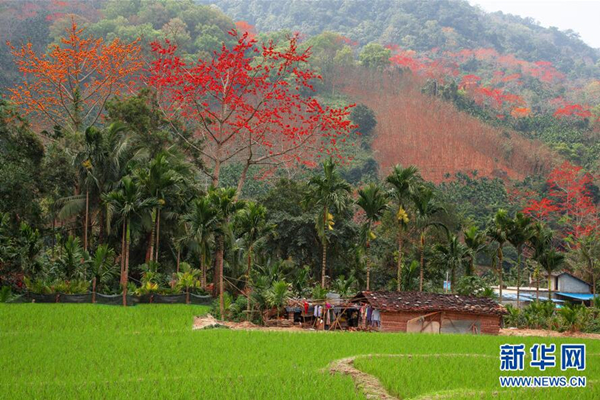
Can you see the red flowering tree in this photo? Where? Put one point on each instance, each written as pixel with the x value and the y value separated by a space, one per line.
pixel 249 105
pixel 569 201
pixel 70 85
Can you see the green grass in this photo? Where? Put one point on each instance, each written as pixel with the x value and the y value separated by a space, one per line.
pixel 466 377
pixel 150 351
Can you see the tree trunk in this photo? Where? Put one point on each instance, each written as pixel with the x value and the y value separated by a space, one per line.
pixel 219 259
pixel 203 269
pixel 178 258
pixel 549 286
pixel 216 170
pixel 422 262
pixel 537 287
pixel 324 263
pixel 240 185
pixel 87 219
pixel 125 261
pixel 519 255
pixel 150 250
pixel 368 267
pixel 399 261
pixel 324 243
pixel 94 290
pixel 500 272
pixel 123 252
pixel 248 308
pixel 157 234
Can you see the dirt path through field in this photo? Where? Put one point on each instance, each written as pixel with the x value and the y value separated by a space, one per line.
pixel 372 387
pixel 368 384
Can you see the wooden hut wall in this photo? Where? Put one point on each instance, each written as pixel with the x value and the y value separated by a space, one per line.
pixel 397 321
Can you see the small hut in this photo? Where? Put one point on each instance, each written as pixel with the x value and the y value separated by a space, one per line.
pixel 431 312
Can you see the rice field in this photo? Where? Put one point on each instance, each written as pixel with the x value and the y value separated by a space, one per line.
pixel 51 351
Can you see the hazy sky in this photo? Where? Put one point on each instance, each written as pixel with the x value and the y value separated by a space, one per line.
pixel 582 16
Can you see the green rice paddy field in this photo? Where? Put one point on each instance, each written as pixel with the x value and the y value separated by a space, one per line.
pixel 149 351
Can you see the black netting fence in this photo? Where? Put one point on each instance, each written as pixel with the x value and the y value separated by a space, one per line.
pixel 113 299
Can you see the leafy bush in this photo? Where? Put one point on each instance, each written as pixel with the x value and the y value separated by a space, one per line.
pixel 5 294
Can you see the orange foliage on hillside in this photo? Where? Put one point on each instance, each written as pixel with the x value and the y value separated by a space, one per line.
pixel 413 128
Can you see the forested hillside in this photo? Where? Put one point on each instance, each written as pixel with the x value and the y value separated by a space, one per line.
pixel 303 144
pixel 422 25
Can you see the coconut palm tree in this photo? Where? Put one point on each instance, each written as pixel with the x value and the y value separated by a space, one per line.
pixel 251 223
pixel 403 182
pixel 127 203
pixel 373 200
pixel 476 243
pixel 425 209
pixel 327 193
pixel 519 232
pixel 497 231
pixel 200 225
pixel 223 201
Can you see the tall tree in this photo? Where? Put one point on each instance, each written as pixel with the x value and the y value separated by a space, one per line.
pixel 403 182
pixel 223 201
pixel 247 103
pixel 550 260
pixel 373 201
pixel 476 243
pixel 127 202
pixel 425 208
pixel 158 179
pixel 200 224
pixel 70 85
pixel 328 193
pixel 251 223
pixel 497 231
pixel 452 254
pixel 519 232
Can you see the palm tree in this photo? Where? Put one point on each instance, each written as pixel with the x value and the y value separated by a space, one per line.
pixel 550 260
pixel 127 202
pixel 102 267
pixel 201 223
pixel 475 242
pixel 278 295
pixel 251 222
pixel 186 279
pixel 519 232
pixel 403 182
pixel 328 193
pixel 452 255
pixel 540 241
pixel 497 231
pixel 425 209
pixel 373 201
pixel 223 201
pixel 99 164
pixel 157 180
pixel 585 255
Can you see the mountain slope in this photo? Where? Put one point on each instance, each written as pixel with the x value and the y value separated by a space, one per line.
pixel 421 25
pixel 414 128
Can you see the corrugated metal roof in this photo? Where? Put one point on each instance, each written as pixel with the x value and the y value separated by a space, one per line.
pixel 577 296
